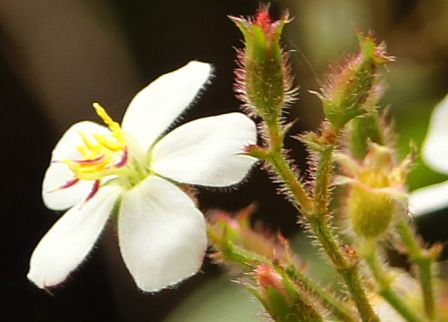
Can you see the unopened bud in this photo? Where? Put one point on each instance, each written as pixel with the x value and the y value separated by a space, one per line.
pixel 375 192
pixel 267 277
pixel 370 211
pixel 263 80
pixel 349 88
pixel 228 230
pixel 282 298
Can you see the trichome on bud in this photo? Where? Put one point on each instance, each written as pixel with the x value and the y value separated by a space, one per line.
pixel 347 93
pixel 263 79
pixel 376 193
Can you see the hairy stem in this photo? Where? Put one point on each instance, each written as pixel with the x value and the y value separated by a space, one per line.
pixel 319 225
pixel 344 262
pixel 424 262
pixel 288 176
pixel 346 268
pixel 384 282
pixel 327 300
pixel 323 180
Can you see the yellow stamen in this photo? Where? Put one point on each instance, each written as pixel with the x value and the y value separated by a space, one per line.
pixel 89 144
pixel 107 143
pixel 98 151
pixel 105 117
pixel 82 149
pixel 114 127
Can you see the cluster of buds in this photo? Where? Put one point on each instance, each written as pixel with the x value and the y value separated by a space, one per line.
pixel 376 199
pixel 377 191
pixel 271 272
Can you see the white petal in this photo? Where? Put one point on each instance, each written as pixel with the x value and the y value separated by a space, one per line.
pixel 58 174
pixel 158 105
pixel 207 151
pixel 162 234
pixel 435 147
pixel 58 198
pixel 71 238
pixel 428 199
pixel 66 148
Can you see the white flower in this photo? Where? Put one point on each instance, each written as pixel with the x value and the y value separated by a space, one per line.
pixel 435 155
pixel 132 170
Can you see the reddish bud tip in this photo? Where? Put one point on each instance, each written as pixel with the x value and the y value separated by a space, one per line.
pixel 264 20
pixel 268 277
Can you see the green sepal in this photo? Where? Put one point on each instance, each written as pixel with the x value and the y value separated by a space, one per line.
pixel 363 130
pixel 266 80
pixel 370 211
pixel 345 97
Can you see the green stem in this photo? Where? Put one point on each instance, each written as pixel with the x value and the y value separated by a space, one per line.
pixel 384 282
pixel 348 270
pixel 249 260
pixel 288 176
pixel 294 305
pixel 327 300
pixel 424 262
pixel 344 265
pixel 323 180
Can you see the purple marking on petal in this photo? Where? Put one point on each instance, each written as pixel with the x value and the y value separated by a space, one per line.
pixel 66 185
pixel 95 188
pixel 90 161
pixel 69 183
pixel 124 159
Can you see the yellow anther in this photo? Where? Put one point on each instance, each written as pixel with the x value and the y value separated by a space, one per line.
pixel 109 144
pixel 105 117
pixel 89 144
pixel 113 126
pixel 94 171
pixel 83 150
pixel 99 151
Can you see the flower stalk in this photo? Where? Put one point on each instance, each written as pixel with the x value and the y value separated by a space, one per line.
pixel 424 260
pixel 336 307
pixel 236 244
pixel 344 259
pixel 384 282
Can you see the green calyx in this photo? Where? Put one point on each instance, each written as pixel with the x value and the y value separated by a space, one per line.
pixel 370 212
pixel 350 88
pixel 363 130
pixel 372 202
pixel 282 298
pixel 266 81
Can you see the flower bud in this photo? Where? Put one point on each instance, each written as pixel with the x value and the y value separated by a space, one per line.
pixel 370 211
pixel 267 277
pixel 376 188
pixel 263 80
pixel 230 233
pixel 350 86
pixel 283 299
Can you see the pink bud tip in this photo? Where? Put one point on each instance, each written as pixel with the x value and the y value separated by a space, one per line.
pixel 268 277
pixel 264 20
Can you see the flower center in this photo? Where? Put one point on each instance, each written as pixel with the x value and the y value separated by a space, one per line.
pixel 103 155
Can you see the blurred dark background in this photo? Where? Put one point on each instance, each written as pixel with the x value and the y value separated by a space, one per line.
pixel 57 57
